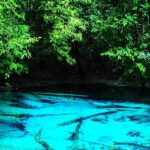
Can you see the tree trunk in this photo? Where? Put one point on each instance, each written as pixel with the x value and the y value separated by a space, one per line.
pixel 80 70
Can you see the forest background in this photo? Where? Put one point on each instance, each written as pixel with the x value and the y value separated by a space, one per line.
pixel 68 40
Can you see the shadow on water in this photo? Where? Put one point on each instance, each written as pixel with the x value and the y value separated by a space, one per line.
pixel 99 91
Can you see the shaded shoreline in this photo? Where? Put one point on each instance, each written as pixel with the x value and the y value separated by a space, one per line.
pixel 102 90
pixel 29 84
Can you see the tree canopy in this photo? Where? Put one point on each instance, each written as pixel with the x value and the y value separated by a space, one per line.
pixel 117 30
pixel 15 39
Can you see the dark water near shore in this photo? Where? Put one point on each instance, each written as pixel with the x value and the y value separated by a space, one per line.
pixel 73 117
pixel 99 91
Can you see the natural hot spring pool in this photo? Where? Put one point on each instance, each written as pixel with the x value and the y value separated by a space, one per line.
pixel 56 121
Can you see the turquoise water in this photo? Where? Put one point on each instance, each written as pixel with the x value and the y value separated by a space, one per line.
pixel 58 121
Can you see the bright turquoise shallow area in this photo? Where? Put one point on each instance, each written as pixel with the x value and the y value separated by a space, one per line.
pixel 57 121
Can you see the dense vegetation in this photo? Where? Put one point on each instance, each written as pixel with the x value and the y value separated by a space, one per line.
pixel 76 32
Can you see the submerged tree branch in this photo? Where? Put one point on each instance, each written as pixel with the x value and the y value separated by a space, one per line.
pixel 132 144
pixel 40 141
pixel 75 135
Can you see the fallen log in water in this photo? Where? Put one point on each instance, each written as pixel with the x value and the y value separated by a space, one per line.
pixel 84 118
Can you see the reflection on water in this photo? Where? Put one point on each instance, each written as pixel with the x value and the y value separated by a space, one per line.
pixel 38 120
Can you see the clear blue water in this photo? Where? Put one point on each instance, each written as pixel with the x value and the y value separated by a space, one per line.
pixel 58 121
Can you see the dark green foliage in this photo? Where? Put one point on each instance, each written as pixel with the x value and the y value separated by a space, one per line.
pixel 76 31
pixel 127 24
pixel 65 25
pixel 15 39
